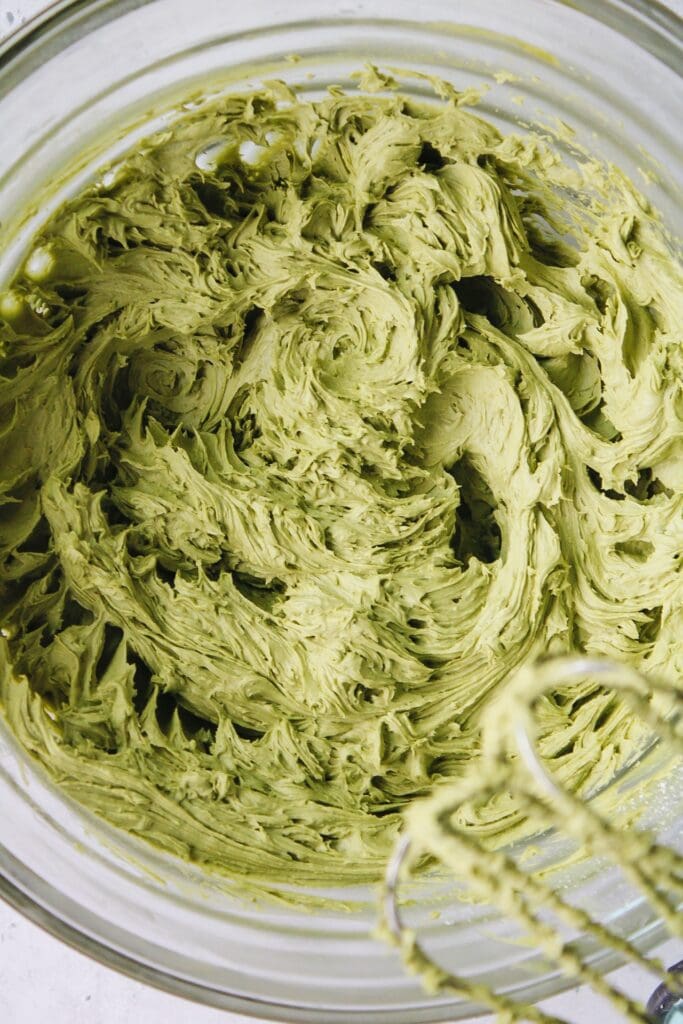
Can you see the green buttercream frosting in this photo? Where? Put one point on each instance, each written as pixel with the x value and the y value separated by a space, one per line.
pixel 318 420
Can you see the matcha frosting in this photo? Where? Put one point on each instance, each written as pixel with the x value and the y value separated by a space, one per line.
pixel 318 420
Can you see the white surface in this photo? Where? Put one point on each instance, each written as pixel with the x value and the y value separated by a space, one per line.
pixel 40 978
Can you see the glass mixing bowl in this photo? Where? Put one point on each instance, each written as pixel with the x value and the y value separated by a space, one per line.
pixel 78 85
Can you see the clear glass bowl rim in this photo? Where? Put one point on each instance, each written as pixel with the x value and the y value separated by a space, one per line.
pixel 654 26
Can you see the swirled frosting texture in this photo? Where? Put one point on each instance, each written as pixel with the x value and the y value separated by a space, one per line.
pixel 318 419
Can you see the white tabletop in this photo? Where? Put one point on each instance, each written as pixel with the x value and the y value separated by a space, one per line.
pixel 42 979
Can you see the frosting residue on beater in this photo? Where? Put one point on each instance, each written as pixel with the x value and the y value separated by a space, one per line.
pixel 615 827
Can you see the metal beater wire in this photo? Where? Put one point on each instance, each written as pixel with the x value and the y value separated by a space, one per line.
pixel 550 672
